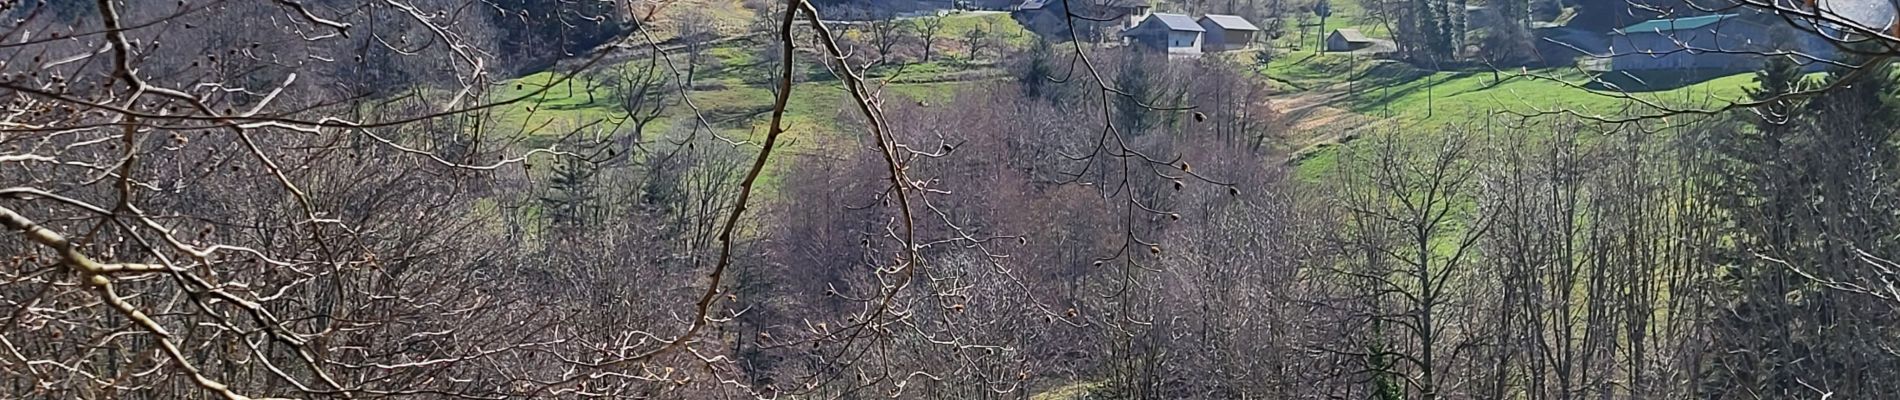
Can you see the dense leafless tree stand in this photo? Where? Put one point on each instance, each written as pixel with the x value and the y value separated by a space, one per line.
pixel 324 199
pixel 278 199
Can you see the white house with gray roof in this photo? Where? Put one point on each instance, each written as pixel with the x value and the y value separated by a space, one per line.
pixel 1174 33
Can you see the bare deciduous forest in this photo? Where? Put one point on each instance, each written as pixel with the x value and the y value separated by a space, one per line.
pixel 857 199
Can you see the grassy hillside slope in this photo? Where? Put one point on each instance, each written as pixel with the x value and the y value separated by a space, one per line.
pixel 1394 95
pixel 730 91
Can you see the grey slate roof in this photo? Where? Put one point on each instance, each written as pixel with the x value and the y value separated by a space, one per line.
pixel 1675 24
pixel 1352 35
pixel 1177 22
pixel 1230 22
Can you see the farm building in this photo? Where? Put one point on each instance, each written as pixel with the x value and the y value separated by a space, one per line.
pixel 1226 32
pixel 1174 33
pixel 1347 39
pixel 1049 18
pixel 1708 43
pixel 1704 43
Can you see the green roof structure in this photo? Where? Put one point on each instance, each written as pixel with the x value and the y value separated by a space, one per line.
pixel 1675 24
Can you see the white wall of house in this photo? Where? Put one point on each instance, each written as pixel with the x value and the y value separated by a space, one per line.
pixel 1184 42
pixel 1156 35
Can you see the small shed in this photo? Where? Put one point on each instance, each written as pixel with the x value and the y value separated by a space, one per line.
pixel 1173 33
pixel 1347 39
pixel 1226 32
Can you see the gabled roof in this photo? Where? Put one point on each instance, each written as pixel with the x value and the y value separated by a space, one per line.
pixel 1230 22
pixel 1675 24
pixel 1176 22
pixel 1352 35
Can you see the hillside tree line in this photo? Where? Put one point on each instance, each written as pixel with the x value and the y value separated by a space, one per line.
pixel 323 199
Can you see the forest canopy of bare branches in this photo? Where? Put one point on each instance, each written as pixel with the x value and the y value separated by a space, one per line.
pixel 805 199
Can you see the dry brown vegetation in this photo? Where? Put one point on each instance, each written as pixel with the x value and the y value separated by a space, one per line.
pixel 319 199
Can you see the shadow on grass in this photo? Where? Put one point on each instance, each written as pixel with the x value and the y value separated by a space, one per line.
pixel 1396 81
pixel 1654 80
pixel 733 117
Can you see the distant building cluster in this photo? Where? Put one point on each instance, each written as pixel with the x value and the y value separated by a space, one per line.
pixel 1728 42
pixel 1181 34
pixel 1132 21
